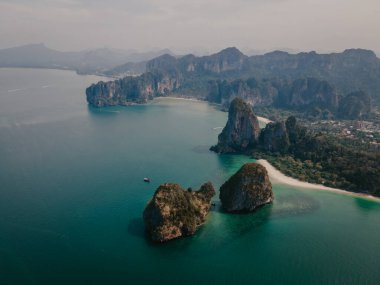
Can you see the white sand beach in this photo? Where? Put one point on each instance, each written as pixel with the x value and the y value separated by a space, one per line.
pixel 276 176
pixel 179 98
pixel 264 120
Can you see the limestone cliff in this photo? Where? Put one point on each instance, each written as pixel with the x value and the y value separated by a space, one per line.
pixel 274 137
pixel 310 93
pixel 304 81
pixel 241 131
pixel 248 189
pixel 174 212
pixel 356 105
pixel 282 137
pixel 131 89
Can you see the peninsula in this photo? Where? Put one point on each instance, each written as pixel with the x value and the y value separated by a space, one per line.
pixel 340 85
pixel 300 153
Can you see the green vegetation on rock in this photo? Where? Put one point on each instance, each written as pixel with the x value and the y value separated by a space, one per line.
pixel 246 190
pixel 174 212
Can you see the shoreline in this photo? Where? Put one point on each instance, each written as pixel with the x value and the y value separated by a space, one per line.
pixel 261 119
pixel 277 176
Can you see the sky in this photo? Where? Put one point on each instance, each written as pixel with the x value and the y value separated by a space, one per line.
pixel 186 25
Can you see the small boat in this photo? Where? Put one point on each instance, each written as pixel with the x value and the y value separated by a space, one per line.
pixel 146 179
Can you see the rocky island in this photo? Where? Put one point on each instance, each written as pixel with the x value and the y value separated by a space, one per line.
pixel 248 189
pixel 174 212
pixel 242 130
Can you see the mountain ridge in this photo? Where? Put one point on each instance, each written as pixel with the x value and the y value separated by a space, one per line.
pixel 89 61
pixel 301 81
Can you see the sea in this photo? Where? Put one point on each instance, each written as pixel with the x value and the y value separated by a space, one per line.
pixel 72 196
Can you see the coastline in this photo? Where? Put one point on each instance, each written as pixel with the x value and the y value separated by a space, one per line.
pixel 277 176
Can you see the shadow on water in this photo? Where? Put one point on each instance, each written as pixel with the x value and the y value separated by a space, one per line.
pixel 113 111
pixel 230 163
pixel 108 111
pixel 136 227
pixel 240 224
pixel 201 149
pixel 367 205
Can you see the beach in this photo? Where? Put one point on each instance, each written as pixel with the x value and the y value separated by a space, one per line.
pixel 264 120
pixel 179 98
pixel 276 176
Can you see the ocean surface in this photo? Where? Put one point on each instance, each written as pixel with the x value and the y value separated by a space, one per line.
pixel 72 196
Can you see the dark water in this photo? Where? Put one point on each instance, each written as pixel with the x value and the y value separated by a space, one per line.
pixel 71 198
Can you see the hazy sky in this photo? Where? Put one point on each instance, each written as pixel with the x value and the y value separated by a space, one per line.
pixel 321 25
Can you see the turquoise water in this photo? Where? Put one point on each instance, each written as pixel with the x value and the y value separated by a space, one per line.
pixel 72 196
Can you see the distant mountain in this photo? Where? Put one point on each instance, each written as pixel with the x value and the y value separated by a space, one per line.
pixel 351 70
pixel 96 61
pixel 36 55
pixel 127 69
pixel 136 64
pixel 229 62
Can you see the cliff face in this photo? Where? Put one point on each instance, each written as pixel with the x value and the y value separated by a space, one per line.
pixel 241 131
pixel 256 93
pixel 300 81
pixel 174 212
pixel 350 70
pixel 131 89
pixel 274 138
pixel 355 105
pixel 283 137
pixel 247 189
pixel 309 92
pixel 299 94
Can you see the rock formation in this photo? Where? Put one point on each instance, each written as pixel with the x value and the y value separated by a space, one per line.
pixel 356 105
pixel 254 92
pixel 174 212
pixel 274 137
pixel 242 130
pixel 282 137
pixel 247 189
pixel 129 90
pixel 309 93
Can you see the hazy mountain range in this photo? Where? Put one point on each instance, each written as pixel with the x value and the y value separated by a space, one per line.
pixel 95 61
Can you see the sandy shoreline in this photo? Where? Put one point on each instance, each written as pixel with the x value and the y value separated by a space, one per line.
pixel 264 120
pixel 277 176
pixel 261 119
pixel 180 98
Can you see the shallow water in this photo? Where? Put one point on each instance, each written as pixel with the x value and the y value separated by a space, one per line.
pixel 72 196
